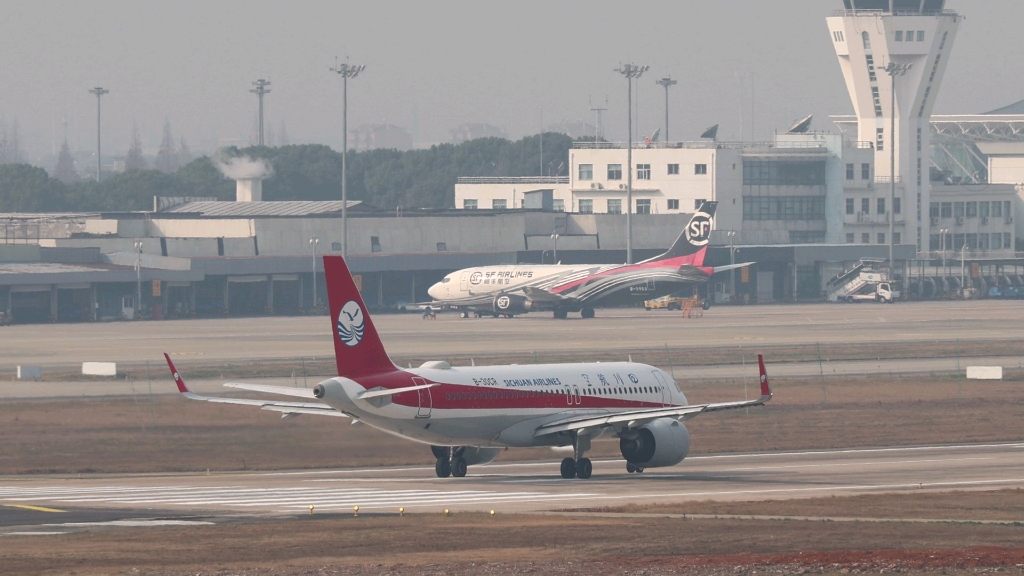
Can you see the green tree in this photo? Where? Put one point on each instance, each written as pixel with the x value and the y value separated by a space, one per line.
pixel 134 160
pixel 65 168
pixel 25 188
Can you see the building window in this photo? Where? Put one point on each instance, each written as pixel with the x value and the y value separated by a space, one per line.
pixel 881 206
pixel 920 35
pixel 849 171
pixel 615 171
pixel 643 171
pixel 871 68
pixel 896 237
pixel 469 204
pixel 983 209
pixel 982 241
pixel 442 247
pixel 899 35
pixel 1007 240
pixel 806 236
pixel 499 204
pixel 558 205
pixel 881 237
pixel 878 101
pixel 958 209
pixel 918 139
pixel 586 171
pixel 1006 210
pixel 997 241
pixel 673 169
pixel 673 204
pixel 782 173
pixel 700 169
pixel 880 138
pixel 972 241
pixel 897 205
pixel 849 235
pixel 783 207
pixel 867 40
pixel 849 205
pixel 972 209
pixel 865 238
pixel 643 206
pixel 374 243
pixel 865 171
pixel 997 209
pixel 933 210
pixel 615 206
pixel 586 206
pixel 865 205
pixel 947 209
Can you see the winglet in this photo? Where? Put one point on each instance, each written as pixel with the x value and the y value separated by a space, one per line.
pixel 177 379
pixel 766 388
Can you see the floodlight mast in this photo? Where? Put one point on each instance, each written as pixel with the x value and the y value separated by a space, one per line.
pixel 99 92
pixel 346 71
pixel 893 70
pixel 666 82
pixel 630 71
pixel 260 90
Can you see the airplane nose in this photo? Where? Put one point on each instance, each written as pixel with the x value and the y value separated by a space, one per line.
pixel 435 291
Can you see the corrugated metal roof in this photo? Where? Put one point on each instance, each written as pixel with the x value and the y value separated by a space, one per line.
pixel 258 209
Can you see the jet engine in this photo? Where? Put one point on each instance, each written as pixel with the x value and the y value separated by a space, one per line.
pixel 473 454
pixel 662 442
pixel 512 304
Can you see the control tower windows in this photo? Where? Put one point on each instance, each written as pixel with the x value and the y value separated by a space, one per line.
pixel 878 102
pixel 880 138
pixel 871 67
pixel 867 40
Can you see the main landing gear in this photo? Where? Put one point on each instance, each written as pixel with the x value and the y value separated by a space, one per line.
pixel 450 462
pixel 633 468
pixel 578 466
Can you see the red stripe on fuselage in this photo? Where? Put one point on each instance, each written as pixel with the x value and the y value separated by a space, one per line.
pixel 445 396
pixel 696 259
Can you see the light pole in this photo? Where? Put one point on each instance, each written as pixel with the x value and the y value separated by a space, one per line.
pixel 666 82
pixel 963 284
pixel 554 239
pixel 313 242
pixel 98 91
pixel 630 71
pixel 942 235
pixel 346 71
pixel 138 278
pixel 260 90
pixel 732 260
pixel 893 70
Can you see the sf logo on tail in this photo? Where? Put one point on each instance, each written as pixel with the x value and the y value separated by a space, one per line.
pixel 698 231
pixel 351 323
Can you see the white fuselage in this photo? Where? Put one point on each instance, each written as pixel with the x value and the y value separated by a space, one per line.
pixel 480 285
pixel 502 406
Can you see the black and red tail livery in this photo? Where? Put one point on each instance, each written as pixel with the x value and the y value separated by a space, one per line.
pixel 357 346
pixel 695 236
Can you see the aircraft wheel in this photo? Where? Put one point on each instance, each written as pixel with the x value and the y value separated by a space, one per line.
pixel 584 468
pixel 568 468
pixel 630 468
pixel 587 312
pixel 443 468
pixel 494 314
pixel 561 314
pixel 459 467
pixel 463 314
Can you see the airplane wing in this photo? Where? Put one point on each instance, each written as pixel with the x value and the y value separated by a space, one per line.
pixel 542 295
pixel 288 408
pixel 636 418
pixel 728 267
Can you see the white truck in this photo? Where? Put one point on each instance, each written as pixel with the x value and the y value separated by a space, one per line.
pixel 863 283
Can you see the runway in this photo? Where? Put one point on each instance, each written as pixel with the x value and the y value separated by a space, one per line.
pixel 214 341
pixel 535 486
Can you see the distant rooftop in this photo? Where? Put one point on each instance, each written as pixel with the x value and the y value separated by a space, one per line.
pixel 513 180
pixel 1015 108
pixel 897 7
pixel 227 209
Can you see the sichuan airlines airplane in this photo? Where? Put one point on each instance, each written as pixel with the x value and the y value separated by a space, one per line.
pixel 516 289
pixel 468 414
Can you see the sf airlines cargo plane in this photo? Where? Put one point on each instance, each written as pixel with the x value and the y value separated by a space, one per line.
pixel 516 289
pixel 468 414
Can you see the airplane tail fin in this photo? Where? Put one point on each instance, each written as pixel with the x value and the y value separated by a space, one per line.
pixel 357 346
pixel 695 236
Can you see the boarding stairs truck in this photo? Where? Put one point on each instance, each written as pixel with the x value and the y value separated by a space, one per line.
pixel 865 282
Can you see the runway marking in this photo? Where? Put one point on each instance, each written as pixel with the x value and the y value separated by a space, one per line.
pixel 36 508
pixel 836 464
pixel 32 533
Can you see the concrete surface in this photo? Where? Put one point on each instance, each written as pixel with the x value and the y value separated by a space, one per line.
pixel 536 486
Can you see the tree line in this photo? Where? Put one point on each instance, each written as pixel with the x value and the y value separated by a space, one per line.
pixel 383 178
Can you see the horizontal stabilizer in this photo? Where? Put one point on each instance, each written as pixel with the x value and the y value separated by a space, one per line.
pixel 728 267
pixel 377 393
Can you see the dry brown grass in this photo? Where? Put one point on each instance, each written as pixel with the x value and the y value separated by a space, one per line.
pixel 424 543
pixel 136 434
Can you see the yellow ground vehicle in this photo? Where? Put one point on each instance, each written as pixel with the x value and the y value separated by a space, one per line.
pixel 670 302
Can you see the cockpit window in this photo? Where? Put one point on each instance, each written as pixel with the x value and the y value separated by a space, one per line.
pixel 446 280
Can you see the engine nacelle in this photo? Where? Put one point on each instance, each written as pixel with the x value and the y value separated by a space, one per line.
pixel 511 304
pixel 473 454
pixel 663 442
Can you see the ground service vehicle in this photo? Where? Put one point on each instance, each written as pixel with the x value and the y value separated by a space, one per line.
pixel 467 414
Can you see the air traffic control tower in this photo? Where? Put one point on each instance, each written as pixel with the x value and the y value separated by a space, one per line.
pixel 869 35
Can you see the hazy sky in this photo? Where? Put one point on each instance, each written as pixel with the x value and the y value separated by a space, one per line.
pixel 434 65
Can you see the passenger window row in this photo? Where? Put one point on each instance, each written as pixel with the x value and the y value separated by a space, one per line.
pixel 489 394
